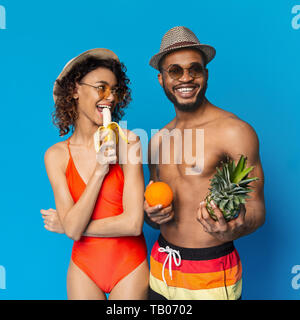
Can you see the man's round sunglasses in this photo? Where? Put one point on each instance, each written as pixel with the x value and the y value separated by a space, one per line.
pixel 104 91
pixel 175 71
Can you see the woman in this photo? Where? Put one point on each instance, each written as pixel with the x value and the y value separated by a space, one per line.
pixel 99 201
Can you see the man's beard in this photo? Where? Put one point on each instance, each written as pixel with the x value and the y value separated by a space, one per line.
pixel 187 107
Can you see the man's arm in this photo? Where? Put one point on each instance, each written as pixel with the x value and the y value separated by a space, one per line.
pixel 242 139
pixel 238 138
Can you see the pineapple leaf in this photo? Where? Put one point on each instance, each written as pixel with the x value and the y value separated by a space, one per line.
pixel 232 168
pixel 245 191
pixel 247 181
pixel 239 168
pixel 222 204
pixel 242 174
pixel 236 201
pixel 226 173
pixel 230 205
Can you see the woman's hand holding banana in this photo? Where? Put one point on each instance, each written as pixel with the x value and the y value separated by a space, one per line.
pixel 106 139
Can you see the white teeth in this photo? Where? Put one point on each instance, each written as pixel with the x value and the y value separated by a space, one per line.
pixel 185 89
pixel 103 106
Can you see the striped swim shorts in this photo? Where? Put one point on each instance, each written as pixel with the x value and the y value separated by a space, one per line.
pixel 176 273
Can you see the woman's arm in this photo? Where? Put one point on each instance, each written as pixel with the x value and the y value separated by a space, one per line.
pixel 130 222
pixel 74 217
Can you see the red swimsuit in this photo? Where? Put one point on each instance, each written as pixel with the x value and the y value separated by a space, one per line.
pixel 105 260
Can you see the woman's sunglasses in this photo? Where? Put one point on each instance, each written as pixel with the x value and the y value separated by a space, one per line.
pixel 104 91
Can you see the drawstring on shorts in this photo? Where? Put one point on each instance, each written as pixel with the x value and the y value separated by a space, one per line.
pixel 172 255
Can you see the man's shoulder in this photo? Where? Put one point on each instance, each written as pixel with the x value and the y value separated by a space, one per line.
pixel 233 131
pixel 228 122
pixel 236 126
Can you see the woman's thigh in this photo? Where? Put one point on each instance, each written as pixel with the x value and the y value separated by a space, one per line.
pixel 134 286
pixel 80 286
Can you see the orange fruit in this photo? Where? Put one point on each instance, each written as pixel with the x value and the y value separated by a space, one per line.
pixel 159 193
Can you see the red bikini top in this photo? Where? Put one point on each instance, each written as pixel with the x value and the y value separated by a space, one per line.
pixel 109 202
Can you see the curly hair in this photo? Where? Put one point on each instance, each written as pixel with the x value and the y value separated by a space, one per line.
pixel 65 114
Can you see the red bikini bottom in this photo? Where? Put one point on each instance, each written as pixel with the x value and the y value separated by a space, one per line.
pixel 108 260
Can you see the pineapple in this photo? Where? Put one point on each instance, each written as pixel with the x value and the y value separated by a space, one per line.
pixel 229 188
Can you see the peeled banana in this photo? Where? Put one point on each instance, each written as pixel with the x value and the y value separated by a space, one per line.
pixel 113 128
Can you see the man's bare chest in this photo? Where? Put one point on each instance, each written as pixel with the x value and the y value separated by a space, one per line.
pixel 187 154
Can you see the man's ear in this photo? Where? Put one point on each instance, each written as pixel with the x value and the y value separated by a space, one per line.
pixel 206 71
pixel 160 79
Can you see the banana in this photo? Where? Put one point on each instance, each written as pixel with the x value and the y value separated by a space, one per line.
pixel 113 127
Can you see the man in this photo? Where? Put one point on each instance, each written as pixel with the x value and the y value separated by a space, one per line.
pixel 194 257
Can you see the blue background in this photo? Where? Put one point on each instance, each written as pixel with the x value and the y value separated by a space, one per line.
pixel 255 75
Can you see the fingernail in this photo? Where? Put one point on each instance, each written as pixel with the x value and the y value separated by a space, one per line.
pixel 159 206
pixel 213 204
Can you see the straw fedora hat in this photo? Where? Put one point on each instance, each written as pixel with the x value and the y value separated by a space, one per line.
pixel 178 38
pixel 99 53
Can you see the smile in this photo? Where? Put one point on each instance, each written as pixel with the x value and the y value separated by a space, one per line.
pixel 186 91
pixel 100 107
